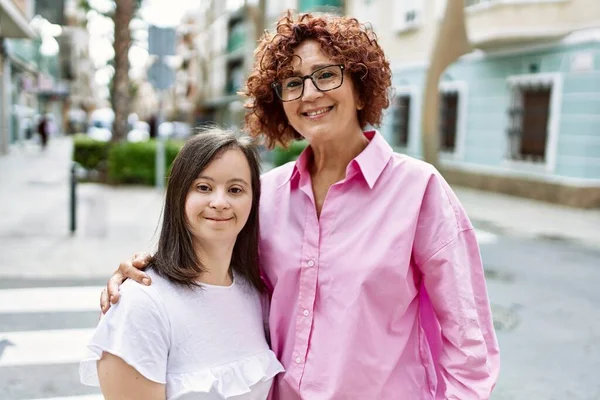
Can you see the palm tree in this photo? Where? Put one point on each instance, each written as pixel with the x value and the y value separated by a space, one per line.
pixel 121 13
pixel 120 98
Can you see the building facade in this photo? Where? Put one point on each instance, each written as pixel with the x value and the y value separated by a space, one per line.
pixel 14 24
pixel 35 81
pixel 520 114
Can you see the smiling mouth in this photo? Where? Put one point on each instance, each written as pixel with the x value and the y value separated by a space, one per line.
pixel 219 219
pixel 318 112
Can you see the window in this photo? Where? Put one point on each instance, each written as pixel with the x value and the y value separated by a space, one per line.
pixel 452 119
pixel 407 14
pixel 528 123
pixel 401 120
pixel 448 121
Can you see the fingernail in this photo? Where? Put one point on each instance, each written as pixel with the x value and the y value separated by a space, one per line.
pixel 146 281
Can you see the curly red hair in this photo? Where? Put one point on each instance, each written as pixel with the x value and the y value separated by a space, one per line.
pixel 344 40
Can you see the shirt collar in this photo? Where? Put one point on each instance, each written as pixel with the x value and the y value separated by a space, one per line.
pixel 371 161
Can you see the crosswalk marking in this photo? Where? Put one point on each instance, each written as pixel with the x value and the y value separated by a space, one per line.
pixel 484 237
pixel 45 347
pixel 53 299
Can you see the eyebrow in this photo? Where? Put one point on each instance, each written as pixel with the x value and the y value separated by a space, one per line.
pixel 232 180
pixel 313 68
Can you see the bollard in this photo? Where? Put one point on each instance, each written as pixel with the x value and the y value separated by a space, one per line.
pixel 73 199
pixel 160 162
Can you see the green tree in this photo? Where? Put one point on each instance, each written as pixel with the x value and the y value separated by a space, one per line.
pixel 122 13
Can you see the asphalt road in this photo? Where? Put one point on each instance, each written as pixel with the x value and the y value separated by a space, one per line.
pixel 544 296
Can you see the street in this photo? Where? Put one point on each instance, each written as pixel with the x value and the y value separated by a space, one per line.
pixel 543 290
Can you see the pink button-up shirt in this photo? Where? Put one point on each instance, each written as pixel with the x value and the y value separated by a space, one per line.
pixel 383 296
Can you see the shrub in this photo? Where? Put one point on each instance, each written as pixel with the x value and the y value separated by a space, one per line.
pixel 89 153
pixel 135 163
pixel 284 155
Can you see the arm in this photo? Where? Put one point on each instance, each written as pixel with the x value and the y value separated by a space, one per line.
pixel 447 254
pixel 119 380
pixel 131 341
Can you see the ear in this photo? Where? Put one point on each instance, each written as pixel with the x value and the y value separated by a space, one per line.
pixel 360 104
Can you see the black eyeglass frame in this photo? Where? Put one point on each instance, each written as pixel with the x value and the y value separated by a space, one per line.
pixel 276 84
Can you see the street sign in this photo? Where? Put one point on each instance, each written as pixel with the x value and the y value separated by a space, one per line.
pixel 160 75
pixel 161 41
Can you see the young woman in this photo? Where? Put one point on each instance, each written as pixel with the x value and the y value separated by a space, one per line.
pixel 198 331
pixel 378 291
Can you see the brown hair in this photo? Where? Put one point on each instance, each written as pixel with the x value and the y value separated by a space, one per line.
pixel 175 258
pixel 343 39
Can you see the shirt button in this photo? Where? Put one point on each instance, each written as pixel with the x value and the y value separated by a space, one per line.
pixel 305 312
pixel 298 360
pixel 311 263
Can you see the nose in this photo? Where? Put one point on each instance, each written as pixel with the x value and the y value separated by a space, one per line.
pixel 311 92
pixel 219 200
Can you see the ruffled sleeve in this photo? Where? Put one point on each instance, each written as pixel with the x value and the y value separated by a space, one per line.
pixel 134 330
pixel 250 374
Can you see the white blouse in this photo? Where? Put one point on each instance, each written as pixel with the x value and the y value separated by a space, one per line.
pixel 203 343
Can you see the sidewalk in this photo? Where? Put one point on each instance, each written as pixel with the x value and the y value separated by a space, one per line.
pixel 35 241
pixel 517 216
pixel 115 222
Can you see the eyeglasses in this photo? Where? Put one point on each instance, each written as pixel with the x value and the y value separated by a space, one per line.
pixel 325 79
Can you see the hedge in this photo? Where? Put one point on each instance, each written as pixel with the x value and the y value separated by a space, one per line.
pixel 135 163
pixel 89 153
pixel 116 163
pixel 283 155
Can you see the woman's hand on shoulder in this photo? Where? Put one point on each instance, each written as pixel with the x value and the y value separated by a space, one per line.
pixel 131 269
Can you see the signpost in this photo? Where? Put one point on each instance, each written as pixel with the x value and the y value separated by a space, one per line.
pixel 161 43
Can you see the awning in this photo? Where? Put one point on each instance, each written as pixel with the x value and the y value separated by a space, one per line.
pixel 13 24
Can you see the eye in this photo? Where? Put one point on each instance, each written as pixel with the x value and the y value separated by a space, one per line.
pixel 327 74
pixel 203 187
pixel 293 83
pixel 236 190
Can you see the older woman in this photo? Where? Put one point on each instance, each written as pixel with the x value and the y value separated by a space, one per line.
pixel 378 290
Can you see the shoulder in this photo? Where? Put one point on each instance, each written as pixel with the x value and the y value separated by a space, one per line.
pixel 409 177
pixel 427 185
pixel 149 298
pixel 420 170
pixel 277 176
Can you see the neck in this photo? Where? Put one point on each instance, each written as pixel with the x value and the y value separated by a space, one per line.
pixel 333 157
pixel 216 260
